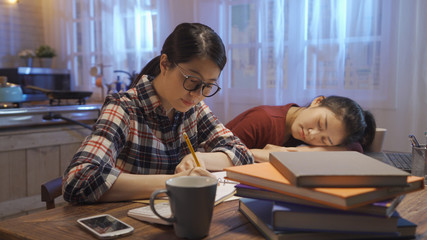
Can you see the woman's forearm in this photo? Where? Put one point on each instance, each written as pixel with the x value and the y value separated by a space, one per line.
pixel 134 186
pixel 216 161
pixel 320 148
pixel 140 186
pixel 261 155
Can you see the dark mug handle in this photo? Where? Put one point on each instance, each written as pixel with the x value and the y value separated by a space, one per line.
pixel 153 198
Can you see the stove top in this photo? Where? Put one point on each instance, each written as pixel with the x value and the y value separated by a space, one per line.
pixel 46 114
pixel 9 105
pixel 30 104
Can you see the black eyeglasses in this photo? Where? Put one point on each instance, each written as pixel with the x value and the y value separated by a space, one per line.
pixel 192 83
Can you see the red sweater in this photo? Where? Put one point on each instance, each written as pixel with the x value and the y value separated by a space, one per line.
pixel 264 124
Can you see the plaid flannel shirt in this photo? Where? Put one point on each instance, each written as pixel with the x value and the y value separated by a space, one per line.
pixel 134 135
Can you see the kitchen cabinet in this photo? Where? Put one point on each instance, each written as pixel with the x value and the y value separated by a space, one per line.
pixel 30 157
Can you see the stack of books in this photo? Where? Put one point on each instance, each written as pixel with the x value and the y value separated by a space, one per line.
pixel 324 195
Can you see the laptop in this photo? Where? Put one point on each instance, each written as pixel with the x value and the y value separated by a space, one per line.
pixel 401 160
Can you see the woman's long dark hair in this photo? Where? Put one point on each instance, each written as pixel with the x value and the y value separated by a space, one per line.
pixel 187 41
pixel 360 124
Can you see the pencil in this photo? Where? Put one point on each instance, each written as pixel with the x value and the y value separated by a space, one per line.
pixel 191 148
pixel 414 141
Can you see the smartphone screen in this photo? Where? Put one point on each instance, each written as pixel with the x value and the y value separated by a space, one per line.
pixel 105 225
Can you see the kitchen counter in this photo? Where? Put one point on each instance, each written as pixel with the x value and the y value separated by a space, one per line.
pixel 35 149
pixel 47 115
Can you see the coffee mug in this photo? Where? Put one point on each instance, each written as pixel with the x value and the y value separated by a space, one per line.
pixel 192 200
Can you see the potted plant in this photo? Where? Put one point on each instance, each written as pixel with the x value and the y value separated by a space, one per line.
pixel 45 53
pixel 27 55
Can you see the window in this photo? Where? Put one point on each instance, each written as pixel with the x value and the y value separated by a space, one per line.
pixel 284 51
pixel 112 35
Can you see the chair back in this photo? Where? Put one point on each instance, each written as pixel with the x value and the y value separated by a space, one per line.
pixel 377 143
pixel 51 190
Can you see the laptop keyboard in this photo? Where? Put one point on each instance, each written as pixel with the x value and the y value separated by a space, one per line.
pixel 400 160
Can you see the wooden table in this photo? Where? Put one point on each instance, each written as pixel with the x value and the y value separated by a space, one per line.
pixel 227 223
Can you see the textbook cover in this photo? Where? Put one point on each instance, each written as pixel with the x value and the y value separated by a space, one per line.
pixel 336 169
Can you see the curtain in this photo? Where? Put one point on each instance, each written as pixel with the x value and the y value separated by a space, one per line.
pixel 117 37
pixel 286 51
pixel 371 51
pixel 129 35
pixel 289 51
pixel 56 14
pixel 410 71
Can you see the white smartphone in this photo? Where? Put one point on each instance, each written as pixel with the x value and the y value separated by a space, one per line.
pixel 105 226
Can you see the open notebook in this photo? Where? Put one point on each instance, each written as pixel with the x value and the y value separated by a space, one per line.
pixel 225 191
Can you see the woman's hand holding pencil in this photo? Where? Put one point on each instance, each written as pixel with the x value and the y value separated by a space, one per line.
pixel 190 161
pixel 187 140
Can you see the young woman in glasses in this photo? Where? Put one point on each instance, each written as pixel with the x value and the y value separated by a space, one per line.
pixel 333 123
pixel 137 142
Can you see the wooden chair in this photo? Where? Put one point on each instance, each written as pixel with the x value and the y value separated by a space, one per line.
pixel 377 143
pixel 51 190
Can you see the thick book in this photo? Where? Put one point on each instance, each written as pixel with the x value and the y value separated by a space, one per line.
pixel 292 216
pixel 336 169
pixel 266 176
pixel 381 208
pixel 259 212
